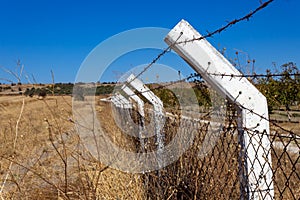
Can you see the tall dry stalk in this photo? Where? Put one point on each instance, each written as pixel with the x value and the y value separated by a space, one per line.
pixel 14 147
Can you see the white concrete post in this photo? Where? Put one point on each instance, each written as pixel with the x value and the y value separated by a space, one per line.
pixel 117 108
pixel 115 101
pixel 207 61
pixel 122 108
pixel 158 110
pixel 146 92
pixel 123 101
pixel 140 105
pixel 135 98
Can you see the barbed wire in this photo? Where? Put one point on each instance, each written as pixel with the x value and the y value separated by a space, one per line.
pixel 269 120
pixel 210 34
pixel 196 75
pixel 254 75
pixel 154 60
pixel 231 23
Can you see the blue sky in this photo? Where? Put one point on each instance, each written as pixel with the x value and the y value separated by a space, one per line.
pixel 58 35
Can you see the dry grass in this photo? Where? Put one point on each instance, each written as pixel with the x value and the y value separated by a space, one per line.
pixel 49 161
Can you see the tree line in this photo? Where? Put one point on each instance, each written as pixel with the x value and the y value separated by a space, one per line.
pixel 281 87
pixel 64 89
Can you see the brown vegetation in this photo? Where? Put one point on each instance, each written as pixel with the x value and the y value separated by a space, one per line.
pixel 41 157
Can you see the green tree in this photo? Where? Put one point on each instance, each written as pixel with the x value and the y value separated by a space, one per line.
pixel 282 91
pixel 289 85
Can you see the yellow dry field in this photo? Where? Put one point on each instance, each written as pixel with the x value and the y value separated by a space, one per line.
pixel 41 156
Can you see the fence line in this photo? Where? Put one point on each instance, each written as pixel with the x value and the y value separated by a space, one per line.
pixel 254 137
pixel 218 170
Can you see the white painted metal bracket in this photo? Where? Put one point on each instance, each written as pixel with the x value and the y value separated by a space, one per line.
pixel 208 62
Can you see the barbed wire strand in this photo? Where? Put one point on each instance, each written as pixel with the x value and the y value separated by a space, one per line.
pixel 231 23
pixel 254 76
pixel 210 34
pixel 154 61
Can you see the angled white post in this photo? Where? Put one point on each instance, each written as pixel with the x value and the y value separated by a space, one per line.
pixel 208 62
pixel 146 92
pixel 158 110
pixel 137 99
pixel 122 109
pixel 140 105
pixel 115 101
pixel 117 106
pixel 123 101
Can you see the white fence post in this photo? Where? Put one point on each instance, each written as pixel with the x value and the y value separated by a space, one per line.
pixel 146 92
pixel 123 101
pixel 158 111
pixel 120 101
pixel 122 109
pixel 137 99
pixel 115 101
pixel 140 105
pixel 208 62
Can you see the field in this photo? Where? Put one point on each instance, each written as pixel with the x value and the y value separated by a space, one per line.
pixel 42 157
